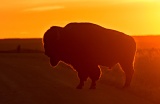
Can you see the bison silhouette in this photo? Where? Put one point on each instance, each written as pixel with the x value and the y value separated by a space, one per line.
pixel 87 45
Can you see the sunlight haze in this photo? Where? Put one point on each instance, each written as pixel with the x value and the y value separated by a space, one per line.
pixel 31 18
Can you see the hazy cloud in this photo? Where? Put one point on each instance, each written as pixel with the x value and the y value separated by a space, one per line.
pixel 9 4
pixel 44 8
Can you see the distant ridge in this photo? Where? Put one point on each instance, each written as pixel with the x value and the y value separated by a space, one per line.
pixel 20 38
pixel 27 45
pixel 22 51
pixel 35 45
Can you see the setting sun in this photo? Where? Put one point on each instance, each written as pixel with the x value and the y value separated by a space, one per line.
pixel 29 19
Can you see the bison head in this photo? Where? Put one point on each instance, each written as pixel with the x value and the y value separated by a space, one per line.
pixel 51 42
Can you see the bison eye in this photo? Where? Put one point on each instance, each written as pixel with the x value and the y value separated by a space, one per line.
pixel 48 50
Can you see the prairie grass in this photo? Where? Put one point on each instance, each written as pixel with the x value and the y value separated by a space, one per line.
pixel 146 79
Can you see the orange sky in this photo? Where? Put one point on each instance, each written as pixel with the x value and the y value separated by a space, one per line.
pixel 31 18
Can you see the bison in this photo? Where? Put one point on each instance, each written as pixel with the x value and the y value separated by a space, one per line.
pixel 87 45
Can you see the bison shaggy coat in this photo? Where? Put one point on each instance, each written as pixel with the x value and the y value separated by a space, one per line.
pixel 87 45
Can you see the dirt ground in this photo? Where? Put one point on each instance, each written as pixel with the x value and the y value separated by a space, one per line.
pixel 27 78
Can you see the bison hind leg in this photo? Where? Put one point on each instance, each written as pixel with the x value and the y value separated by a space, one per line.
pixel 127 67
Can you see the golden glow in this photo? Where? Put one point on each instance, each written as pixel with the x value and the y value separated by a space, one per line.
pixel 31 18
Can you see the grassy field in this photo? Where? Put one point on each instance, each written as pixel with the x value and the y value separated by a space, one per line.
pixel 27 78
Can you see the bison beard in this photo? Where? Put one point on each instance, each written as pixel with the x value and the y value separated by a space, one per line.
pixel 87 45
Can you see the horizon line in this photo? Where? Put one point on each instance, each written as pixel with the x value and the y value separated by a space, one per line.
pixel 41 37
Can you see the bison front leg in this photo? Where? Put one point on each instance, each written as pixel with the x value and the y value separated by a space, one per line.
pixel 80 85
pixel 93 84
pixel 95 74
pixel 83 77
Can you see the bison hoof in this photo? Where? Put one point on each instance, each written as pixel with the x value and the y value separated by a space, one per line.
pixel 92 87
pixel 79 87
pixel 126 86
